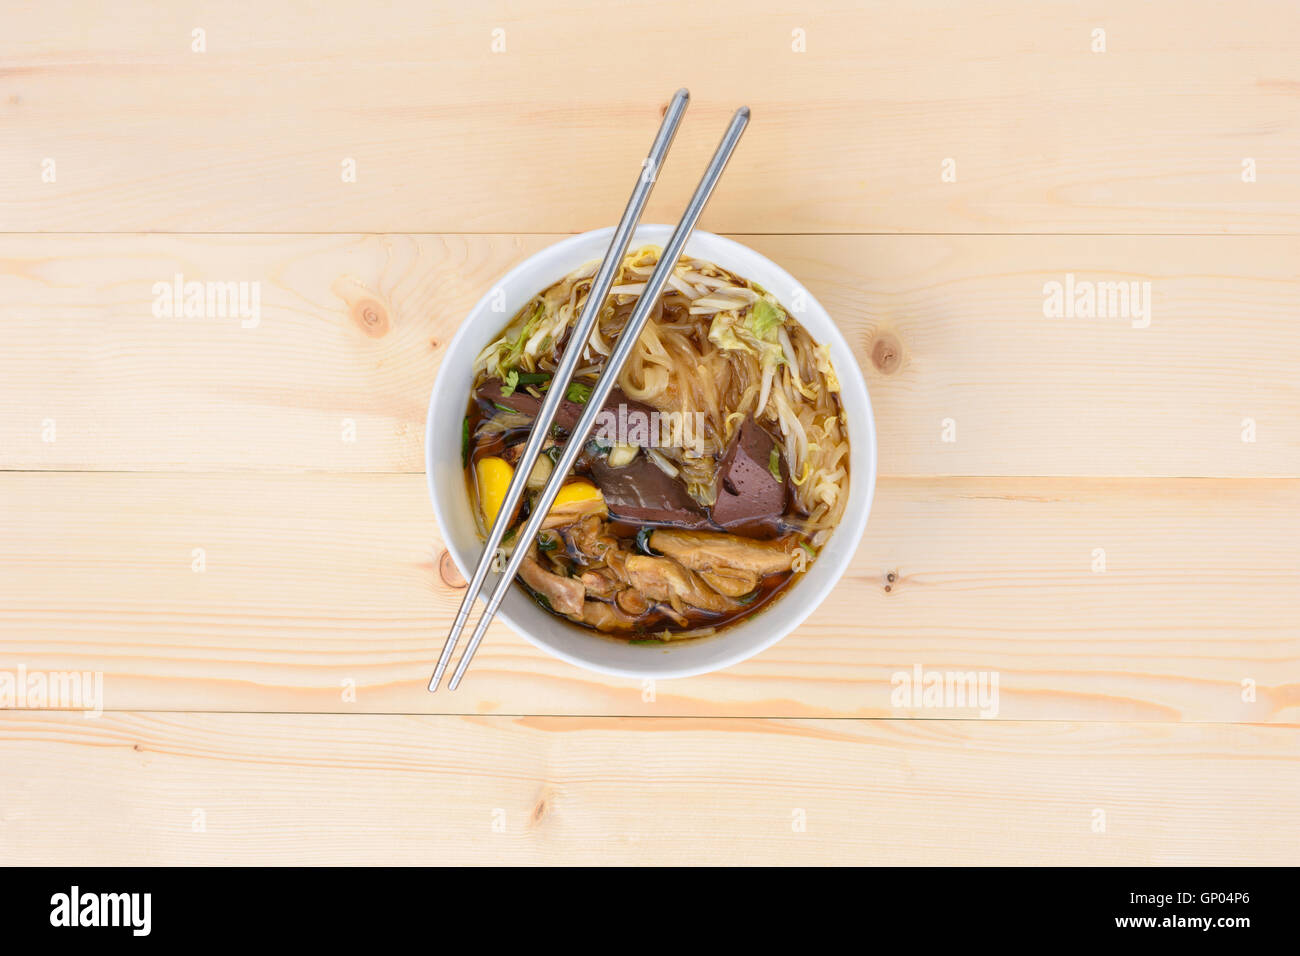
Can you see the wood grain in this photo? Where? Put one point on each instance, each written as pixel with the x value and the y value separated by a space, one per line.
pixel 945 328
pixel 1148 713
pixel 316 584
pixel 294 789
pixel 849 136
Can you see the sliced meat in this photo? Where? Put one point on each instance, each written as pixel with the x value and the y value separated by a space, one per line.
pixel 565 594
pixel 569 413
pixel 661 579
pixel 750 496
pixel 641 493
pixel 518 400
pixel 715 552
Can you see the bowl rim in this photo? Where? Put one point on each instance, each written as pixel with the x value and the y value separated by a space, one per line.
pixel 853 527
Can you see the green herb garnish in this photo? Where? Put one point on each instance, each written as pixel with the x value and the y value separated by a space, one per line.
pixel 774 464
pixel 509 383
pixel 547 541
pixel 464 443
pixel 812 552
pixel 578 393
pixel 504 408
pixel 643 541
pixel 645 640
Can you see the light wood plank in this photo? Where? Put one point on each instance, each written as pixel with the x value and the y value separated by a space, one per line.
pixel 849 136
pixel 324 789
pixel 312 581
pixel 945 328
pixel 326 590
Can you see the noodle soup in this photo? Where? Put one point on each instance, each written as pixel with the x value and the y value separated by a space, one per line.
pixel 716 470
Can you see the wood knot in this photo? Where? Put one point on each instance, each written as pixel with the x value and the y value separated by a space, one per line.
pixel 542 807
pixel 891 578
pixel 448 571
pixel 371 315
pixel 365 307
pixel 887 353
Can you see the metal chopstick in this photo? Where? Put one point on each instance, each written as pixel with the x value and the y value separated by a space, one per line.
pixel 600 287
pixel 605 382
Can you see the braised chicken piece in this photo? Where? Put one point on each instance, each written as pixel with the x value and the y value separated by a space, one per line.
pixel 730 582
pixel 601 584
pixel 565 595
pixel 590 539
pixel 661 579
pixel 566 512
pixel 710 551
pixel 606 617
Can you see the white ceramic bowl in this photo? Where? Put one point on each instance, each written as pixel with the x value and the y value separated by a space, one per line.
pixel 452 504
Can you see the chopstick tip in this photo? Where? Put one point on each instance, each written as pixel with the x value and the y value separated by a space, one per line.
pixel 436 679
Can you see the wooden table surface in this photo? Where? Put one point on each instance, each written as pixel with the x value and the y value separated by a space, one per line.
pixel 231 524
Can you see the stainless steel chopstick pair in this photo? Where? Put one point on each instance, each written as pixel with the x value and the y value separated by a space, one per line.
pixel 600 287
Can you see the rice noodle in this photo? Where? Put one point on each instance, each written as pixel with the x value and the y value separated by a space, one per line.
pixel 682 286
pixel 664 464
